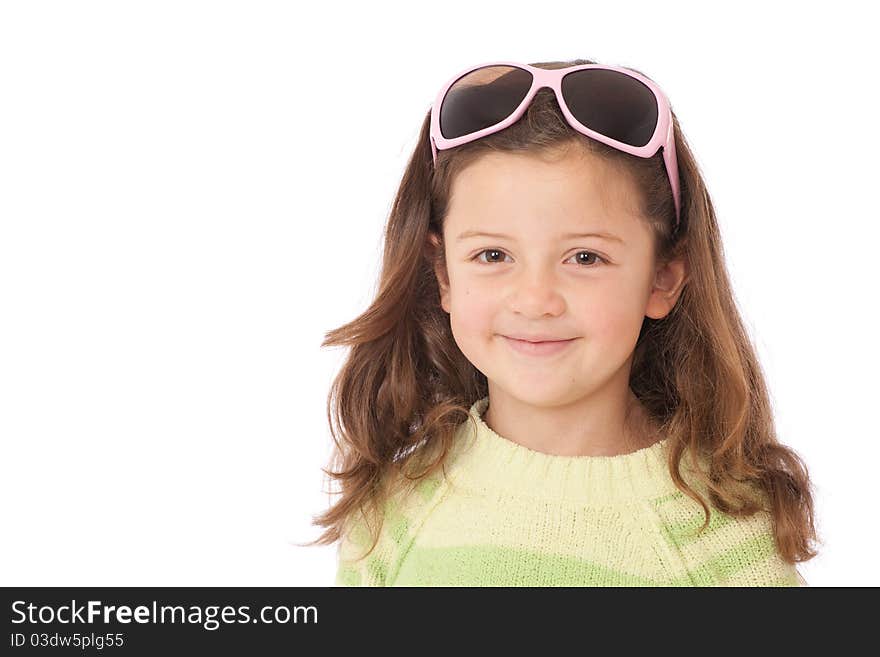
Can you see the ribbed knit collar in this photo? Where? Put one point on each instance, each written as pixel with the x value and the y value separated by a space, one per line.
pixel 489 462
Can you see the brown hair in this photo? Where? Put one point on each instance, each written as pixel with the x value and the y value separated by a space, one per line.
pixel 405 385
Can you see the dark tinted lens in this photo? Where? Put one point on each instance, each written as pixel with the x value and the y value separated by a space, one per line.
pixel 482 98
pixel 613 104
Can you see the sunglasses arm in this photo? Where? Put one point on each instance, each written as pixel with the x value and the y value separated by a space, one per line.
pixel 671 161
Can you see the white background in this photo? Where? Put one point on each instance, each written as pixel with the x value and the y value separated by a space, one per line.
pixel 193 193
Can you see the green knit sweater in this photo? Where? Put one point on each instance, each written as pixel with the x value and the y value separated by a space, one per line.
pixel 506 515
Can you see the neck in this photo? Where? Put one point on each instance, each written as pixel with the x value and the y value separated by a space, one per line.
pixel 606 423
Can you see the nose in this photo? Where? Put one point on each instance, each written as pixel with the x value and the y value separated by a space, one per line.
pixel 535 294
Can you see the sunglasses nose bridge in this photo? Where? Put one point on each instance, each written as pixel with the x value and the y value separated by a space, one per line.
pixel 548 78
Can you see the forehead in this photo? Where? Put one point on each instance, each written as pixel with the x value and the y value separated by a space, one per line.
pixel 571 190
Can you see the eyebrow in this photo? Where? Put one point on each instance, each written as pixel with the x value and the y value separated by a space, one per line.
pixel 568 236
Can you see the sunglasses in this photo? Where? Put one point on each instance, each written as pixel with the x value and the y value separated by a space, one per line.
pixel 611 104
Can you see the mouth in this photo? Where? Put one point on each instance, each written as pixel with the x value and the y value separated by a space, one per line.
pixel 539 348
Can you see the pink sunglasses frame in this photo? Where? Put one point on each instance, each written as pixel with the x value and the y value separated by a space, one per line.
pixel 541 77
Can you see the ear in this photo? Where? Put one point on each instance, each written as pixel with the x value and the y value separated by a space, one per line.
pixel 437 255
pixel 669 280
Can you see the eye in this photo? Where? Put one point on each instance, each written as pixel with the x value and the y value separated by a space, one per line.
pixel 581 261
pixel 492 251
pixel 590 253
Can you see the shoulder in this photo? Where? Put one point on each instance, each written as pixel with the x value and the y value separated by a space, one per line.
pixel 405 506
pixel 730 551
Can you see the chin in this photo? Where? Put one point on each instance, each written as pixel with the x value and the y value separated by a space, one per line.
pixel 538 395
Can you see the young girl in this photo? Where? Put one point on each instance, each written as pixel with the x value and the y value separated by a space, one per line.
pixel 553 385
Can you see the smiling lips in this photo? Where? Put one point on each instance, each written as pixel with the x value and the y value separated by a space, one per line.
pixel 538 348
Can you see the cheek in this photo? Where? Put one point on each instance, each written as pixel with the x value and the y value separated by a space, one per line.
pixel 608 315
pixel 611 325
pixel 473 311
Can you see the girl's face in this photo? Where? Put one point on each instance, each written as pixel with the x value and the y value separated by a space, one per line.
pixel 569 260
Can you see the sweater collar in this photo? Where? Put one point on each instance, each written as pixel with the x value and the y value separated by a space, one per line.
pixel 489 462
